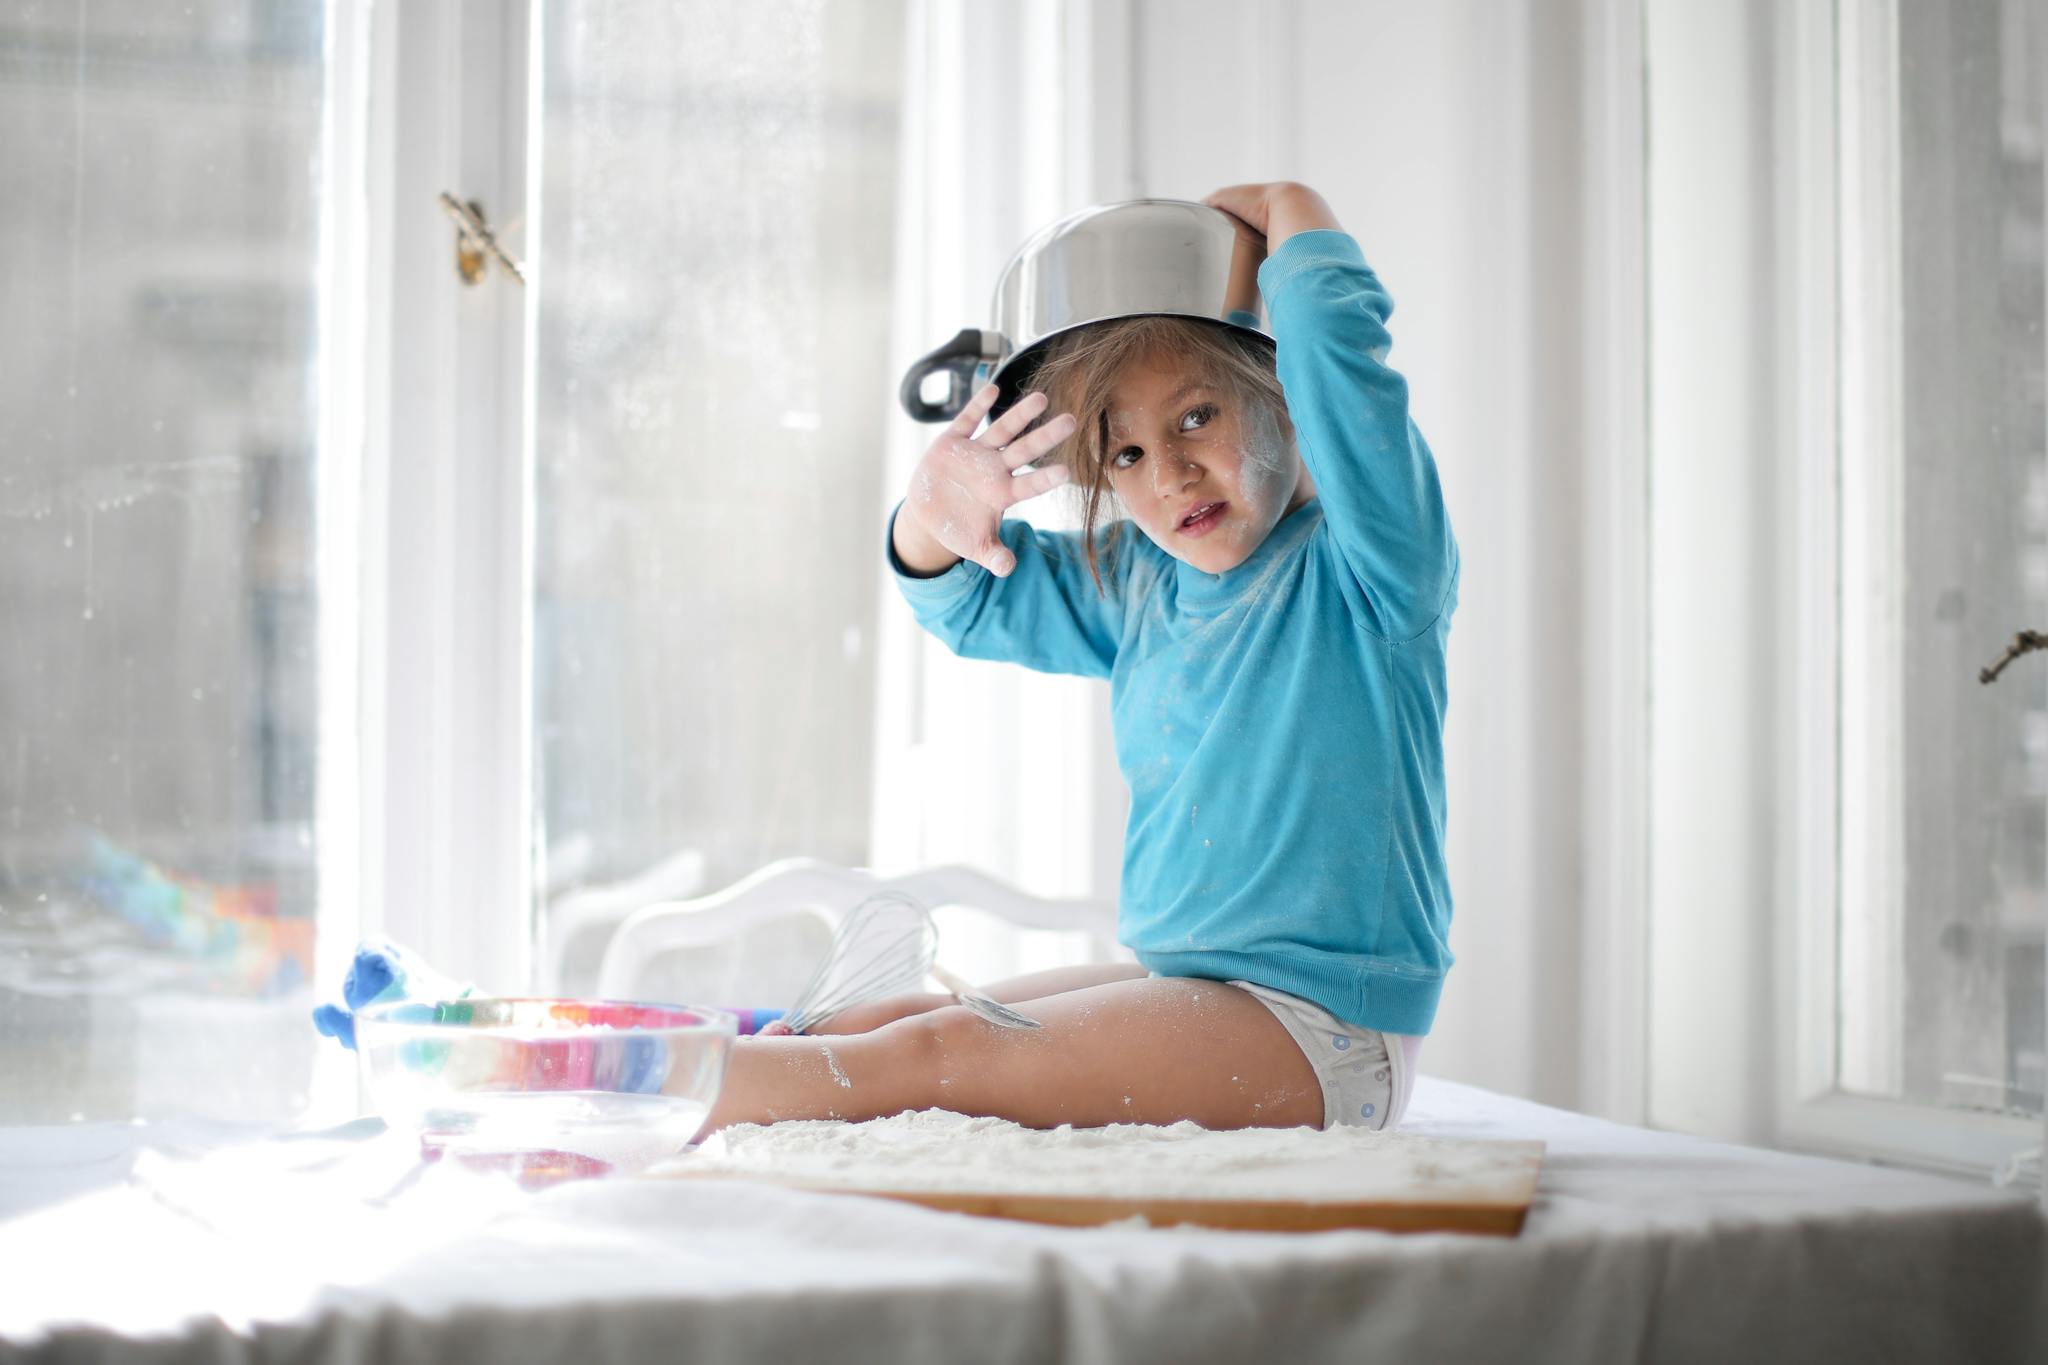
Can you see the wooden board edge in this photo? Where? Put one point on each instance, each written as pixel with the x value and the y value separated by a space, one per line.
pixel 1502 1218
pixel 1232 1215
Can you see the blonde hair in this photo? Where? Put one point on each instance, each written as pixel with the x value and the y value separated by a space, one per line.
pixel 1080 371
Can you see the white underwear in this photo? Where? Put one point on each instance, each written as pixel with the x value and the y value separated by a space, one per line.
pixel 1366 1075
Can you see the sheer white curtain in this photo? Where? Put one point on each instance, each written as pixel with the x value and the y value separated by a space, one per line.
pixel 718 445
pixel 714 268
pixel 978 762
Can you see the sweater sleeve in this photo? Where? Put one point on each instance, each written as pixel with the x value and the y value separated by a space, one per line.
pixel 1046 615
pixel 1373 471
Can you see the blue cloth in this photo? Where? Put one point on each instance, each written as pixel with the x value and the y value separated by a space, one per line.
pixel 1280 725
pixel 382 971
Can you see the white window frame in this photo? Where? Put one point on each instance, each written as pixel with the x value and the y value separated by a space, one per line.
pixel 425 537
pixel 1615 711
pixel 1710 1037
pixel 1746 422
pixel 343 289
pixel 1840 401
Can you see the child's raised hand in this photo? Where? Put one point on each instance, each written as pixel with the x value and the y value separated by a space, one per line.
pixel 966 482
pixel 1246 203
pixel 1274 211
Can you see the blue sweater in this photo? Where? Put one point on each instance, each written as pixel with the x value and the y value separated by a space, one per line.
pixel 1280 725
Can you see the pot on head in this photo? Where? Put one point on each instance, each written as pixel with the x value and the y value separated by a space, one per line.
pixel 1138 258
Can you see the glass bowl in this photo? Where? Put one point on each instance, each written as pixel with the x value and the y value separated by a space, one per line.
pixel 545 1088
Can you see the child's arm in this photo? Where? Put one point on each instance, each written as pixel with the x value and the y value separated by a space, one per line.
pixel 995 589
pixel 1045 613
pixel 1373 471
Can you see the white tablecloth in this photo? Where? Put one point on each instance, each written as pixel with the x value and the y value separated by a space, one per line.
pixel 1642 1245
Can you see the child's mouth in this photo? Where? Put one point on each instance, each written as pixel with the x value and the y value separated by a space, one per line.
pixel 1204 518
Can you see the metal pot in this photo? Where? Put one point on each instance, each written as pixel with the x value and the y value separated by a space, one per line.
pixel 1138 258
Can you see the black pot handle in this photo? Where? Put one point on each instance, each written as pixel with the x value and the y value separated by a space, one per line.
pixel 961 359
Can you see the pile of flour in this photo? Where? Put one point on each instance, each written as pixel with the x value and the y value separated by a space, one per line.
pixel 941 1152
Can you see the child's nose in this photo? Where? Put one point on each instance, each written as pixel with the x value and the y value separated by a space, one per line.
pixel 1174 471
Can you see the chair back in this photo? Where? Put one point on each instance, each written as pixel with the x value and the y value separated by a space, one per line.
pixel 756 943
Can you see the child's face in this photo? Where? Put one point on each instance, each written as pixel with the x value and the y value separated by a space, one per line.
pixel 1178 445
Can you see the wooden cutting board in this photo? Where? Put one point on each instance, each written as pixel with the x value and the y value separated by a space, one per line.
pixel 1299 1181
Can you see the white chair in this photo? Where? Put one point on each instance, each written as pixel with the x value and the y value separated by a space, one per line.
pixel 756 942
pixel 580 924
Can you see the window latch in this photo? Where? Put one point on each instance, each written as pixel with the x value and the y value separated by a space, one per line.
pixel 475 243
pixel 2026 642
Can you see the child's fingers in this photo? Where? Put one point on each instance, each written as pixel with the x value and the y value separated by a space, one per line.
pixel 1028 448
pixel 1246 204
pixel 976 409
pixel 1021 414
pixel 1038 481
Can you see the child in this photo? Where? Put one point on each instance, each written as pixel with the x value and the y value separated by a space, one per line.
pixel 1274 636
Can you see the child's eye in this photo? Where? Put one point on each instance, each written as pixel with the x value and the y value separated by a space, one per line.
pixel 1126 457
pixel 1198 416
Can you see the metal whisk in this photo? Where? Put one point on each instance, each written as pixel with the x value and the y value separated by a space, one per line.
pixel 885 944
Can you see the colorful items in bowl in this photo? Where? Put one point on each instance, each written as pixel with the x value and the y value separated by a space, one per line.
pixel 607 1085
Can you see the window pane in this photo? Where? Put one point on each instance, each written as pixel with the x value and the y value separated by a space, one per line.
pixel 157 691
pixel 712 396
pixel 1945 780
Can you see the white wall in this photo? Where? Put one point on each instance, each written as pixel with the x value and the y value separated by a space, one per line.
pixel 1447 138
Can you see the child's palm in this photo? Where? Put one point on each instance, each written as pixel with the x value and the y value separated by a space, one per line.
pixel 966 482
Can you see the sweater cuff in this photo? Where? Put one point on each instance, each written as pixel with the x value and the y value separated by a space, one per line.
pixel 936 590
pixel 1305 251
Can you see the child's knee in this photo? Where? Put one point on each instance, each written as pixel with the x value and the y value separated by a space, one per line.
pixel 944 1042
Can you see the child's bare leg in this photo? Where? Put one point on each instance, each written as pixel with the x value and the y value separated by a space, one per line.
pixel 871 1015
pixel 1127 1051
pixel 1059 980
